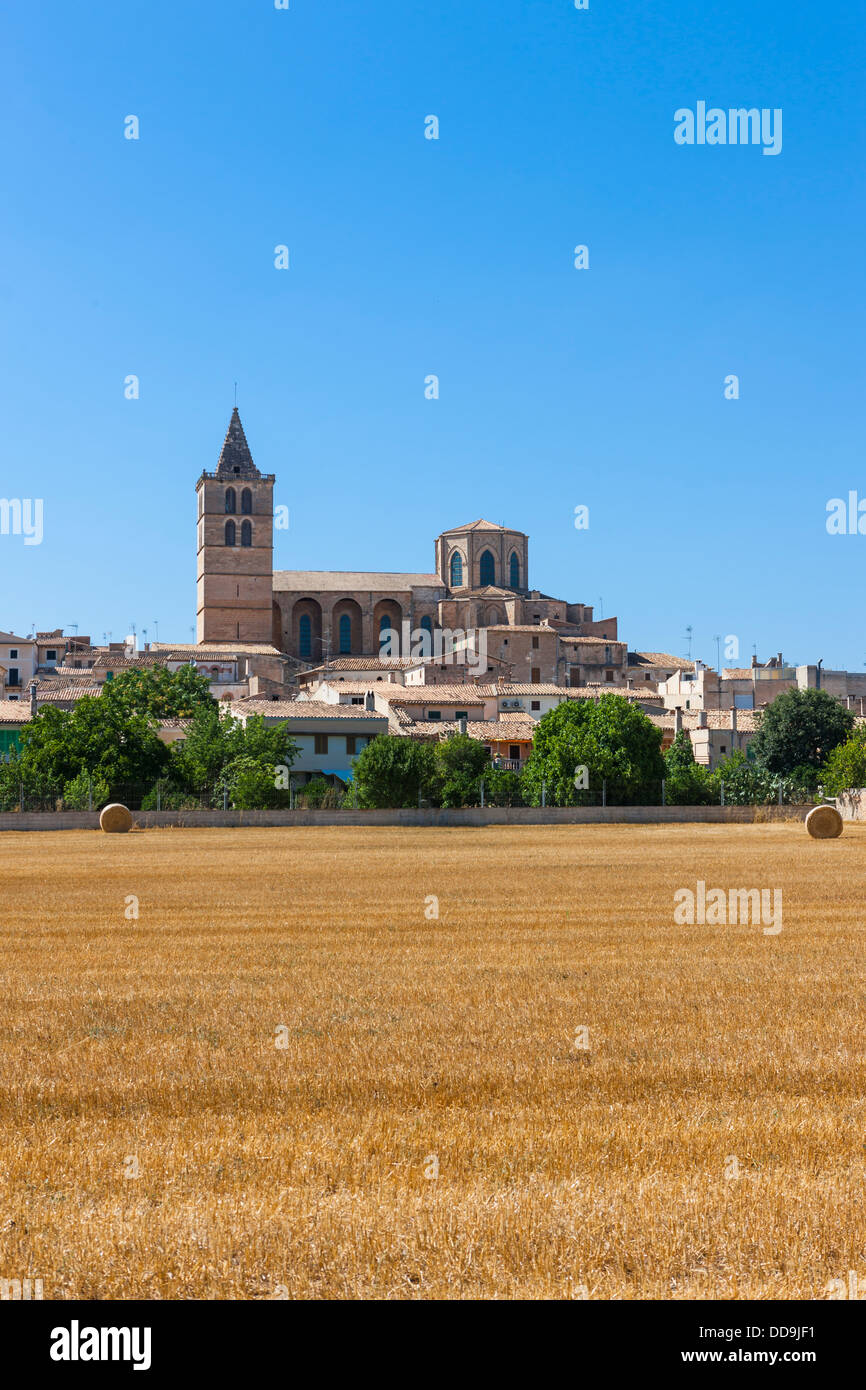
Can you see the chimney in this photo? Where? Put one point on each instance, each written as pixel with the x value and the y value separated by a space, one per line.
pixel 369 701
pixel 32 699
pixel 733 719
pixel 778 658
pixel 462 724
pixel 754 659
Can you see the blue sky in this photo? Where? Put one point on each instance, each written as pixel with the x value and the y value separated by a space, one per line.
pixel 411 257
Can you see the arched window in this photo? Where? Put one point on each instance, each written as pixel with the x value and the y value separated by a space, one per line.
pixel 456 570
pixel 246 533
pixel 305 637
pixel 514 571
pixel 247 502
pixel 231 501
pixel 231 536
pixel 345 635
pixel 386 631
pixel 487 569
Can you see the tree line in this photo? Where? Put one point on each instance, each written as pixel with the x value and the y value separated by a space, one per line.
pixel 806 744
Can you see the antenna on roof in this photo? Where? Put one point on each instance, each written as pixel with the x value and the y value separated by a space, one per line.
pixel 717 639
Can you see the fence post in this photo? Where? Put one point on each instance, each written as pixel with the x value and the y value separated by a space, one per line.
pixel 89 792
pixel 721 791
pixel 21 796
pixel 664 793
pixel 780 791
pixel 225 797
pixel 482 791
pixel 543 792
pixel 158 798
pixel 604 791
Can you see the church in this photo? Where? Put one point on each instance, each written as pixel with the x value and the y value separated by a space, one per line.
pixel 480 580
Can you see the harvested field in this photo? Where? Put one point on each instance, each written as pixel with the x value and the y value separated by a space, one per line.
pixel 248 1090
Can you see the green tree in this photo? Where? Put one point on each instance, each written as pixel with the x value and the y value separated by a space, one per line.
pixel 393 770
pixel 216 741
pixel 161 693
pixel 97 737
pixel 460 764
pixel 252 785
pixel 317 794
pixel 502 787
pixel 800 729
pixel 686 783
pixel 612 739
pixel 845 769
pixel 748 783
pixel 86 790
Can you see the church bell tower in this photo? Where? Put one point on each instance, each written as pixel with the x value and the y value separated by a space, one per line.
pixel 235 546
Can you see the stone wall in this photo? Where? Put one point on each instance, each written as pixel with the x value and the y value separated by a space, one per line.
pixel 490 815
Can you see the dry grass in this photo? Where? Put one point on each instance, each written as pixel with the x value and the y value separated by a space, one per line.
pixel 407 1037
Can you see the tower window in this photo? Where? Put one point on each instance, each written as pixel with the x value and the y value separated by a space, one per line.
pixel 345 635
pixel 305 636
pixel 231 500
pixel 456 570
pixel 514 571
pixel 247 502
pixel 487 569
pixel 246 533
pixel 231 533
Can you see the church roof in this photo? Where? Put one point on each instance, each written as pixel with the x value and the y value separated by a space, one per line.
pixel 363 581
pixel 480 525
pixel 235 459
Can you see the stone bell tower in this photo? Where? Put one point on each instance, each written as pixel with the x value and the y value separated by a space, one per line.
pixel 235 546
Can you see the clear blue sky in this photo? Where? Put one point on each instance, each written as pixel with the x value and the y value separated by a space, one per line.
pixel 410 257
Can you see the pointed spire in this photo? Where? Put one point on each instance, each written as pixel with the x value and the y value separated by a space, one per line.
pixel 235 459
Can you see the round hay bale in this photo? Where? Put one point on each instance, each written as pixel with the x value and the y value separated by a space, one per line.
pixel 115 818
pixel 824 823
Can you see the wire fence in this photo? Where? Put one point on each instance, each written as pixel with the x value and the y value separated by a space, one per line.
pixel 216 797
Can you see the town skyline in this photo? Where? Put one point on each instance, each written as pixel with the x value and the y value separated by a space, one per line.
pixel 499 289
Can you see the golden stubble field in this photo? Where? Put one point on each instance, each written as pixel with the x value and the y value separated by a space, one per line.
pixel 708 1144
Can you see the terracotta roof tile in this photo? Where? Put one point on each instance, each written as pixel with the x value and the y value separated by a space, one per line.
pixel 364 581
pixel 14 711
pixel 305 709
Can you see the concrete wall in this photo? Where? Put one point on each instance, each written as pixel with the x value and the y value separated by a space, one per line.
pixel 852 805
pixel 491 815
